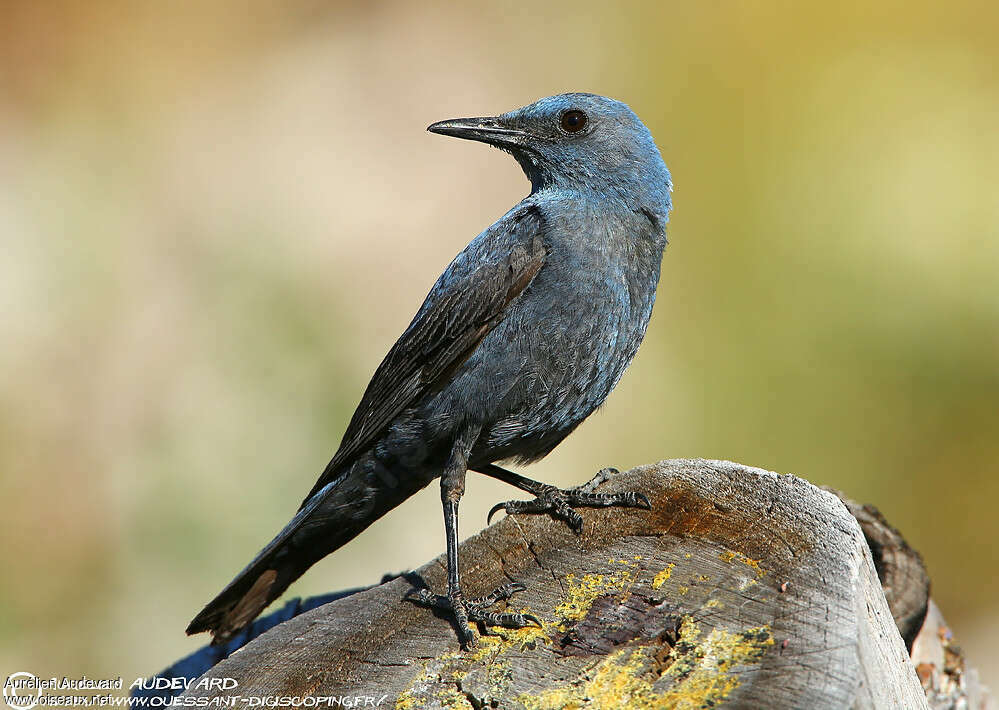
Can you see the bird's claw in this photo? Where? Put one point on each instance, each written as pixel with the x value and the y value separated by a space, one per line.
pixel 559 502
pixel 498 594
pixel 475 610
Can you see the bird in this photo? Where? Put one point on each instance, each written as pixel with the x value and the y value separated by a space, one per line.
pixel 520 339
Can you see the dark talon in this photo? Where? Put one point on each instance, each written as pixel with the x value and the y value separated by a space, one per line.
pixel 519 506
pixel 423 596
pixel 573 519
pixel 474 610
pixel 498 594
pixel 495 509
pixel 508 620
pixel 560 503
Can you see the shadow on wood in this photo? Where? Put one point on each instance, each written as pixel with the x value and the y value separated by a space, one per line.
pixel 741 587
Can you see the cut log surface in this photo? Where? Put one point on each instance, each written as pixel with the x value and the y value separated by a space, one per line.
pixel 741 588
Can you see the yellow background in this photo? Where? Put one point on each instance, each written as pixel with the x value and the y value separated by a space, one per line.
pixel 215 218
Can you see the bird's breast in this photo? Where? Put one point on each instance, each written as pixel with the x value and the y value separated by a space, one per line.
pixel 564 344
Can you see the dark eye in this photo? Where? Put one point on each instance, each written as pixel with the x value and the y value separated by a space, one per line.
pixel 573 121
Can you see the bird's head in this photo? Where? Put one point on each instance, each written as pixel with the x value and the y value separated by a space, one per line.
pixel 574 142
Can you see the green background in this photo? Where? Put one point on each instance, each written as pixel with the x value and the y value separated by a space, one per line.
pixel 215 219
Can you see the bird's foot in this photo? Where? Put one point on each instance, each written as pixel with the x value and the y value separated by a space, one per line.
pixel 560 502
pixel 475 610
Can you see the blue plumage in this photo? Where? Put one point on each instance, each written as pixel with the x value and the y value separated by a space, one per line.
pixel 520 339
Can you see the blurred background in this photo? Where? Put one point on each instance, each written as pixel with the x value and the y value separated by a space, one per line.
pixel 215 219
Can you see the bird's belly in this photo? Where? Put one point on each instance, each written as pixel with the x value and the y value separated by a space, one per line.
pixel 557 368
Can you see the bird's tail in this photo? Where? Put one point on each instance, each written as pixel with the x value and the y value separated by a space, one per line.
pixel 331 518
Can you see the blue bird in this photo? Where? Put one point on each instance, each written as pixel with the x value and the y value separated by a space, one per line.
pixel 520 339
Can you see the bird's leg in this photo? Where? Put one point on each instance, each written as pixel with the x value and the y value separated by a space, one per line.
pixel 452 488
pixel 560 502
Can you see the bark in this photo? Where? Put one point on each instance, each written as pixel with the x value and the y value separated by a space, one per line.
pixel 740 588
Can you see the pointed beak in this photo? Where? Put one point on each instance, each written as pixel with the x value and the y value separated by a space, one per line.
pixel 490 130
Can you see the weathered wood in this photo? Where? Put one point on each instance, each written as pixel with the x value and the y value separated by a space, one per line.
pixel 904 580
pixel 740 587
pixel 950 684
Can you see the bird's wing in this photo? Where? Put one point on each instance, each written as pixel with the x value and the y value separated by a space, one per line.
pixel 467 302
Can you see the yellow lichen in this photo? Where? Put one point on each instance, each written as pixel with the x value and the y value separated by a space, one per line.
pixel 704 667
pixel 702 671
pixel 523 639
pixel 698 672
pixel 450 697
pixel 485 648
pixel 729 555
pixel 440 676
pixel 449 669
pixel 660 579
pixel 628 563
pixel 615 682
pixel 583 592
pixel 406 701
pixel 753 565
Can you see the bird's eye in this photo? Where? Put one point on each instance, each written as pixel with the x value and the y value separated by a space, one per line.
pixel 573 121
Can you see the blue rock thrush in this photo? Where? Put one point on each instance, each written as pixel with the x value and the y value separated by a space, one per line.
pixel 522 337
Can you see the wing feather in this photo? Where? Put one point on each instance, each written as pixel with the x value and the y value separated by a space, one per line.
pixel 467 302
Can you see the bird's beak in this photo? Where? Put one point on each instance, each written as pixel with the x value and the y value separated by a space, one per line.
pixel 490 130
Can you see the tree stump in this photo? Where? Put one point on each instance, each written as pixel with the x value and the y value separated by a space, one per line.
pixel 739 588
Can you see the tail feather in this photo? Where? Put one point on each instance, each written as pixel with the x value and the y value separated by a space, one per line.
pixel 336 514
pixel 228 614
pixel 285 558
